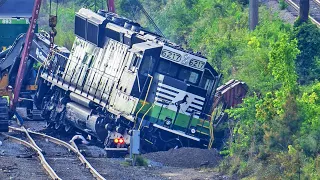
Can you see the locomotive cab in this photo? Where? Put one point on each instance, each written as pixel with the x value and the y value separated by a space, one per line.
pixel 182 83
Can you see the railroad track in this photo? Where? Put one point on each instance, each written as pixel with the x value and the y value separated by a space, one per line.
pixel 314 10
pixel 56 168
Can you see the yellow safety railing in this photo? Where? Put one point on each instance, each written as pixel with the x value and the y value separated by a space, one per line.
pixel 145 99
pixel 145 115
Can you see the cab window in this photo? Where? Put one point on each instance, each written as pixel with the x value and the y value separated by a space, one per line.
pixel 177 71
pixel 189 75
pixel 147 65
pixel 168 68
pixel 134 62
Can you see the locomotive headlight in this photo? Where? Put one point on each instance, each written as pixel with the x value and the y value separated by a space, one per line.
pixel 168 121
pixel 193 130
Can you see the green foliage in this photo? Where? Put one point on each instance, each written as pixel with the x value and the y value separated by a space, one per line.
pixel 311 168
pixel 65 23
pixel 282 62
pixel 309 105
pixel 141 161
pixel 272 121
pixel 282 4
pixel 308 67
pixel 275 116
pixel 247 130
pixel 243 2
pixel 177 16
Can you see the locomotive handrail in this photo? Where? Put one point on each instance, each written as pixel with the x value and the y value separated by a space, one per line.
pixel 81 64
pixel 145 98
pixel 145 115
pixel 68 76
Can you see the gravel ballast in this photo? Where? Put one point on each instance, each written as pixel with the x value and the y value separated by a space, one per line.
pixel 186 157
pixel 274 7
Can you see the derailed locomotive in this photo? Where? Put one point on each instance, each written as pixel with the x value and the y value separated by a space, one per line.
pixel 121 77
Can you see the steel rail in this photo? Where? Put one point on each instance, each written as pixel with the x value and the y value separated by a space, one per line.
pixel 317 2
pixel 72 147
pixel 42 159
pixel 93 171
pixel 296 7
pixel 30 139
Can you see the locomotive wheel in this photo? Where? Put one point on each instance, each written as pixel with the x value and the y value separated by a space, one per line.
pixel 68 128
pixel 49 124
pixel 58 123
pixel 58 126
pixel 45 114
pixel 53 116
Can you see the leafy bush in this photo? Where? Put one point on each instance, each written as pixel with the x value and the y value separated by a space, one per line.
pixel 282 4
pixel 243 2
pixel 308 67
pixel 141 161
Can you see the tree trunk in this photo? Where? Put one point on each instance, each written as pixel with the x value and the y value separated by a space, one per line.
pixel 304 10
pixel 253 14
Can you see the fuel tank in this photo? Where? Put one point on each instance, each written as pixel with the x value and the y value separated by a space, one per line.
pixel 82 118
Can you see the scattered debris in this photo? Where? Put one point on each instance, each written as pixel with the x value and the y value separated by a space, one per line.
pixel 92 151
pixel 24 156
pixel 79 137
pixel 186 157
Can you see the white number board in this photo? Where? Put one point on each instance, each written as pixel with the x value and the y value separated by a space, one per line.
pixel 183 58
pixel 6 21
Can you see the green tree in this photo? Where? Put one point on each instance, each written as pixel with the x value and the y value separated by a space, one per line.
pixel 308 36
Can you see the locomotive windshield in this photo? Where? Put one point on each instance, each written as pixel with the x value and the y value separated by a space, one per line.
pixel 147 65
pixel 175 70
pixel 168 68
pixel 189 75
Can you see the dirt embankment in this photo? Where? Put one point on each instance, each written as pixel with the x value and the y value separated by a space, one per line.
pixel 186 157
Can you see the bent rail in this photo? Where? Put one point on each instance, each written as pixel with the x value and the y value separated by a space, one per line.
pixel 42 159
pixel 72 147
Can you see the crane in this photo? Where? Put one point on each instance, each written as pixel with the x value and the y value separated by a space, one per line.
pixel 111 7
pixel 25 54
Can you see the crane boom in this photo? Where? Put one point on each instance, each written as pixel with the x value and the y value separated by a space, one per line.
pixel 111 6
pixel 25 53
